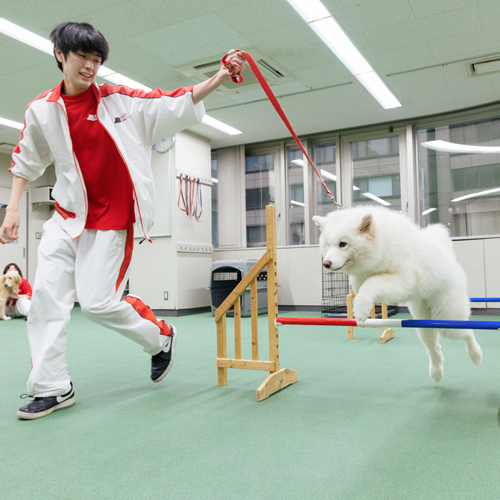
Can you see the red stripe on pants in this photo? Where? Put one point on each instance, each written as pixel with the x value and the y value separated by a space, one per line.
pixel 129 247
pixel 146 312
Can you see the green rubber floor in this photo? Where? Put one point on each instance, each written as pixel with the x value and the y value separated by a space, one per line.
pixel 364 421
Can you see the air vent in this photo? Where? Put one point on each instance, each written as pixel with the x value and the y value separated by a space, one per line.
pixel 484 67
pixel 5 147
pixel 270 68
pixel 273 73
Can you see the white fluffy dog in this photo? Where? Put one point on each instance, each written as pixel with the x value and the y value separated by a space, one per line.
pixel 9 286
pixel 390 259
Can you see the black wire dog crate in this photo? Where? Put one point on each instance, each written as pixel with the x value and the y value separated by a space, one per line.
pixel 336 287
pixel 226 274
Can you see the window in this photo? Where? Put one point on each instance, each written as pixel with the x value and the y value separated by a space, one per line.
pixel 215 198
pixel 324 159
pixel 259 192
pixel 461 190
pixel 376 172
pixel 296 210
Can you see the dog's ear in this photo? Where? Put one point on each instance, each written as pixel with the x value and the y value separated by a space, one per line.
pixel 320 221
pixel 2 279
pixel 366 225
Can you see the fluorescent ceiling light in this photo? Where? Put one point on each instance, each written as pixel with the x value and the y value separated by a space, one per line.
pixel 377 88
pixel 120 79
pixel 451 147
pixel 475 195
pixel 25 36
pixel 428 211
pixel 297 203
pixel 104 72
pixel 328 175
pixel 338 42
pixel 223 127
pixel 376 198
pixel 11 124
pixel 40 43
pixel 299 163
pixel 326 27
pixel 215 181
pixel 310 10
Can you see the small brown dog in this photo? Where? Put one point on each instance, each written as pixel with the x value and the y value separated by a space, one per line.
pixel 9 287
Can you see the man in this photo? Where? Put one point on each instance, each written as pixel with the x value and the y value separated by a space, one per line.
pixel 99 138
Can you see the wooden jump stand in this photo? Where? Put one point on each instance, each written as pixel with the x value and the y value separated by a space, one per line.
pixel 387 333
pixel 277 379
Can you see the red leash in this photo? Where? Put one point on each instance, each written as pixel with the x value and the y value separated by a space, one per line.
pixel 235 71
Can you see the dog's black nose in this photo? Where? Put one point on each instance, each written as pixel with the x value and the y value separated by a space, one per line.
pixel 327 264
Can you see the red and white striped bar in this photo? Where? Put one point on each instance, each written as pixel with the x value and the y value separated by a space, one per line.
pixel 392 323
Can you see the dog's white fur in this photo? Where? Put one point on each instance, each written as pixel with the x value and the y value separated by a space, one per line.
pixel 390 259
pixel 9 287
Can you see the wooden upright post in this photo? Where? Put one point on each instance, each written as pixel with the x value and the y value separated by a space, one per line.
pixel 277 379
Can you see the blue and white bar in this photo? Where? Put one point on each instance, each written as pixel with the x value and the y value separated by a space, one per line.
pixel 490 299
pixel 392 323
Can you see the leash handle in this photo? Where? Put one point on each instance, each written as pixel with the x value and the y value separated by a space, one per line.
pixel 235 70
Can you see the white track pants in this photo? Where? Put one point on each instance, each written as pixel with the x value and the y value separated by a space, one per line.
pixel 19 309
pixel 95 265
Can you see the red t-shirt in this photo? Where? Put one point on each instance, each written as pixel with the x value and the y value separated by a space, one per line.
pixel 107 179
pixel 24 289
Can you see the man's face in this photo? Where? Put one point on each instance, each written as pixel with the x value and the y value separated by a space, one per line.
pixel 79 69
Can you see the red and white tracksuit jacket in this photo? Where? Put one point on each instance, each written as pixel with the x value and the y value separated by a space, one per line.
pixel 134 119
pixel 92 263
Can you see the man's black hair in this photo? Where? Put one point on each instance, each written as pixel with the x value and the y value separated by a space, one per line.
pixel 71 37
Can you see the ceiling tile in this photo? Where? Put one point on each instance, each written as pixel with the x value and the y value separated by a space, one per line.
pixel 259 15
pixel 426 8
pixel 279 41
pixel 489 13
pixel 362 17
pixel 121 20
pixel 402 58
pixel 350 3
pixel 459 93
pixel 424 29
pixel 451 70
pixel 417 87
pixel 211 50
pixel 20 56
pixel 473 44
pixel 321 76
pixel 84 7
pixel 34 16
pixel 195 34
pixel 176 12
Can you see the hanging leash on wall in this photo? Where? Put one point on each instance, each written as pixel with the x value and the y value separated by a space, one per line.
pixel 190 200
pixel 235 71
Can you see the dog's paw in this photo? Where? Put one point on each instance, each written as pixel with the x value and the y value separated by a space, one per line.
pixel 436 372
pixel 362 308
pixel 6 318
pixel 475 352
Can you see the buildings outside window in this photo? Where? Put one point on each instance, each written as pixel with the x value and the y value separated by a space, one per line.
pixel 460 189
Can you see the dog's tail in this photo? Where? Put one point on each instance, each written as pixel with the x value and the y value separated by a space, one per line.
pixel 440 233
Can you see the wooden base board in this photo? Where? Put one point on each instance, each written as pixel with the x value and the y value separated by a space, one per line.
pixel 275 382
pixel 387 335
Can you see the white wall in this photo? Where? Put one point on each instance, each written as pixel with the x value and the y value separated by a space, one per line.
pixel 36 217
pixel 479 258
pixel 299 272
pixel 162 267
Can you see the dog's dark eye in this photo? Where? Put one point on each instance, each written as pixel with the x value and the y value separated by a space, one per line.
pixel 342 244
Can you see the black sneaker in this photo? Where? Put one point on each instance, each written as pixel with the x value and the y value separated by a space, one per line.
pixel 163 361
pixel 40 407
